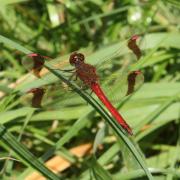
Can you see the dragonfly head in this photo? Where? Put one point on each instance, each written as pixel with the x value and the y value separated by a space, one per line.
pixel 76 58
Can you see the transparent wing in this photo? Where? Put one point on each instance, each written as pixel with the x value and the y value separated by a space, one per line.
pixel 44 88
pixel 116 78
pixel 121 82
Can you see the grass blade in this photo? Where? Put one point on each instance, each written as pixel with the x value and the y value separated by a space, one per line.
pixel 23 153
pixel 106 116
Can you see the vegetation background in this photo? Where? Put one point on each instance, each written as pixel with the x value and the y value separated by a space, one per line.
pixel 77 142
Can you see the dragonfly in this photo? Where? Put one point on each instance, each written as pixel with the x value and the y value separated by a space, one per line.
pixel 88 75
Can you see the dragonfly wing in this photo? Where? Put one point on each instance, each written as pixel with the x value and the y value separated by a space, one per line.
pixel 38 94
pixel 55 94
pixel 122 83
pixel 119 81
pixel 134 80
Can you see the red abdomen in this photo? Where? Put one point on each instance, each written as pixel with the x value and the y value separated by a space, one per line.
pixel 98 91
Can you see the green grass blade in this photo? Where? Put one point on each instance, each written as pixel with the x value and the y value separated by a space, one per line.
pixel 98 171
pixel 6 2
pixel 24 154
pixel 105 115
pixel 156 113
pixel 14 45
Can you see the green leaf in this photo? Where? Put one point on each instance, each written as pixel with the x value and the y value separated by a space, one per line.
pixel 99 138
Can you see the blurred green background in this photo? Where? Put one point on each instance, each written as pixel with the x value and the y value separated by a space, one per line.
pixel 98 28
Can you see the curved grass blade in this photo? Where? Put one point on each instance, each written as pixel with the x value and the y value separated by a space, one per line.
pixel 13 44
pixel 149 118
pixel 99 138
pixel 98 171
pixel 22 152
pixel 106 116
pixel 8 165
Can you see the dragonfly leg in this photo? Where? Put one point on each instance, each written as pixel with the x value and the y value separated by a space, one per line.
pixel 72 76
pixel 67 70
pixel 83 87
pixel 91 93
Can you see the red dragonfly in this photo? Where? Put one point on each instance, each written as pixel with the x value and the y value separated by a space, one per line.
pixel 88 75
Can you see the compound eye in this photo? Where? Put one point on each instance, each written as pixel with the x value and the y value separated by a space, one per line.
pixel 81 57
pixel 75 58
